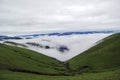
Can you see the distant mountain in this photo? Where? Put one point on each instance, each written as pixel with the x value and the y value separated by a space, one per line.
pixel 52 34
pixel 72 33
pixel 8 37
pixel 68 33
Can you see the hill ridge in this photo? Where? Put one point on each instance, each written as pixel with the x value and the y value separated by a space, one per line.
pixel 22 60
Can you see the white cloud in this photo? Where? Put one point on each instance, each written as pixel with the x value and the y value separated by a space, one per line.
pixel 38 15
pixel 76 44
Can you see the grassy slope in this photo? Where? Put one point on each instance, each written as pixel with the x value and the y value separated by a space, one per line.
pixel 15 58
pixel 103 56
pixel 109 75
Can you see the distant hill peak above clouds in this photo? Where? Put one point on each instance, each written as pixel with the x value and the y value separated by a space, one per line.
pixel 29 36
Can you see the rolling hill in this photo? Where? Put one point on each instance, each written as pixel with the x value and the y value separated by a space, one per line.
pixel 19 59
pixel 101 62
pixel 103 56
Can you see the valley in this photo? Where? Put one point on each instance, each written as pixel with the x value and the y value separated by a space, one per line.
pixel 100 62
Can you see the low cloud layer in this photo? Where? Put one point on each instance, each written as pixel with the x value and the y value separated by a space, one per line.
pixel 17 16
pixel 73 44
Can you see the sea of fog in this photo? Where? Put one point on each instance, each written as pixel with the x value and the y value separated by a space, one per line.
pixel 76 44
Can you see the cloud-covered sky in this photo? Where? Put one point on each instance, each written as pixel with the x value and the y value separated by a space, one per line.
pixel 19 16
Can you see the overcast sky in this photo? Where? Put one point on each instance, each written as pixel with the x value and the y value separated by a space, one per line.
pixel 24 16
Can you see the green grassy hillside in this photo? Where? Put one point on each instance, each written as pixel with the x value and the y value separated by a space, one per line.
pixel 109 75
pixel 103 56
pixel 101 62
pixel 19 59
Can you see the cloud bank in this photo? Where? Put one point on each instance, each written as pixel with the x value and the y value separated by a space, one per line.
pixel 24 16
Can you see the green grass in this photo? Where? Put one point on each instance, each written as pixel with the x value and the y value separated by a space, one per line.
pixel 101 62
pixel 103 56
pixel 12 57
pixel 109 75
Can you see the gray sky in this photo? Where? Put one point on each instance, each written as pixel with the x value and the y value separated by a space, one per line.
pixel 24 16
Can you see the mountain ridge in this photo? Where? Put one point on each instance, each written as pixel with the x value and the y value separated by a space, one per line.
pixel 5 37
